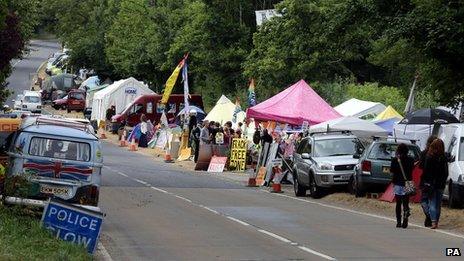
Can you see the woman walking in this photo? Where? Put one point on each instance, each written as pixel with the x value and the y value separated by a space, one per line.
pixel 434 179
pixel 143 142
pixel 401 168
pixel 424 190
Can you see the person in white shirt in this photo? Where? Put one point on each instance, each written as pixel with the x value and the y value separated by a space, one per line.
pixel 143 142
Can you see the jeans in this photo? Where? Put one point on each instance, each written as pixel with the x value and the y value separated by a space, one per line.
pixel 425 202
pixel 435 204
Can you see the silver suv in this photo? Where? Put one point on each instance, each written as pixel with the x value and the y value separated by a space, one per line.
pixel 324 160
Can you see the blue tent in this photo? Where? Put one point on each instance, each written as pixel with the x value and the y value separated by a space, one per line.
pixel 387 124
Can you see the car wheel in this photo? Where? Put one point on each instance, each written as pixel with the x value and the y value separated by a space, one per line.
pixel 56 107
pixel 63 107
pixel 356 188
pixel 300 191
pixel 314 189
pixel 454 200
pixel 68 110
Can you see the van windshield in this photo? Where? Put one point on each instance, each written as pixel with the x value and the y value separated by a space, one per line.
pixel 59 149
pixel 32 99
pixel 461 150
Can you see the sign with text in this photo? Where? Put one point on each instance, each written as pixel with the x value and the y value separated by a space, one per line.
pixel 238 154
pixel 217 164
pixel 72 223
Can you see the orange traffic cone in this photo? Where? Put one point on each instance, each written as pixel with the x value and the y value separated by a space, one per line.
pixel 167 157
pixel 133 145
pixel 102 134
pixel 123 142
pixel 276 187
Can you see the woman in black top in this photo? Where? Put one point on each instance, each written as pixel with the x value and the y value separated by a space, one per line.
pixel 424 190
pixel 434 179
pixel 401 166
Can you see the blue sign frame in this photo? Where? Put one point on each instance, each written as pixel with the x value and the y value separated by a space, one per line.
pixel 73 223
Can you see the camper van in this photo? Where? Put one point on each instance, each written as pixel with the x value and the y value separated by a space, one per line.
pixel 150 105
pixel 31 101
pixel 453 136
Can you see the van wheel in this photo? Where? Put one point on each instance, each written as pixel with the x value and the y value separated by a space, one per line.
pixel 314 189
pixel 300 191
pixel 454 200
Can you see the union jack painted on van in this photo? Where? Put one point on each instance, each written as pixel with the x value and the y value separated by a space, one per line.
pixel 61 170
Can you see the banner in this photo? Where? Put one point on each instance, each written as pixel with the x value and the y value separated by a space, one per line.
pixel 238 154
pixel 172 81
pixel 217 164
pixel 186 90
pixel 236 111
pixel 251 94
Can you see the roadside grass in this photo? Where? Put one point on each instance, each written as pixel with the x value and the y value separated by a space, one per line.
pixel 23 238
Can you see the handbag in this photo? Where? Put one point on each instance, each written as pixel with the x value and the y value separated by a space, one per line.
pixel 409 187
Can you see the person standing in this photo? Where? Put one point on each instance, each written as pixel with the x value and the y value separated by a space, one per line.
pixel 434 179
pixel 143 141
pixel 195 141
pixel 110 112
pixel 204 134
pixel 401 167
pixel 424 189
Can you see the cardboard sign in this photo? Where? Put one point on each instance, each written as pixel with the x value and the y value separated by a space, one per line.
pixel 261 175
pixel 238 154
pixel 217 164
pixel 72 223
pixel 276 162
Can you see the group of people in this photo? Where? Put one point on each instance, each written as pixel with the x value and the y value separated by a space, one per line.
pixel 434 165
pixel 210 132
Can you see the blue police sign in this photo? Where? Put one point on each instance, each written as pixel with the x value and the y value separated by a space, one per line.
pixel 72 223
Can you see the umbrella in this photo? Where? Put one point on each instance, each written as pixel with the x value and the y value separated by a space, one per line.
pixel 429 117
pixel 192 109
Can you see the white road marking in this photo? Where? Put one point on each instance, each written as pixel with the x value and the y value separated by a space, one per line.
pixel 283 239
pixel 238 221
pixel 141 181
pixel 210 210
pixel 122 174
pixel 180 197
pixel 367 214
pixel 160 190
pixel 309 250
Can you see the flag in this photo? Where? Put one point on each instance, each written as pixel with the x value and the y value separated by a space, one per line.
pixel 251 94
pixel 237 110
pixel 410 104
pixel 186 89
pixel 172 81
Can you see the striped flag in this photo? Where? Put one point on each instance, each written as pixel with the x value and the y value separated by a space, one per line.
pixel 237 110
pixel 172 81
pixel 251 94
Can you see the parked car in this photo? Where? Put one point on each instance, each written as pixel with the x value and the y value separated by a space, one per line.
pixel 31 101
pixel 372 173
pixel 149 104
pixel 60 103
pixel 324 160
pixel 453 136
pixel 56 158
pixel 17 103
pixel 76 100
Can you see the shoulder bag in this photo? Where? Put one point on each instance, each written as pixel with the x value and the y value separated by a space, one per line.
pixel 409 187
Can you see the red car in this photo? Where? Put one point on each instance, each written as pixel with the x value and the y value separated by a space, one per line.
pixel 75 100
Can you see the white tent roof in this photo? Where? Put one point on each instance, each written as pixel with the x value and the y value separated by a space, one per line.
pixel 358 108
pixel 358 127
pixel 223 111
pixel 120 94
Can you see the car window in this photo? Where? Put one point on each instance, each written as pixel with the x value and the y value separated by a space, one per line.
pixel 461 149
pixel 59 149
pixel 32 99
pixel 386 151
pixel 336 147
pixel 302 144
pixel 78 96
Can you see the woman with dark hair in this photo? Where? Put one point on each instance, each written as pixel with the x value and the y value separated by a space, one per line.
pixel 143 142
pixel 424 189
pixel 401 168
pixel 434 179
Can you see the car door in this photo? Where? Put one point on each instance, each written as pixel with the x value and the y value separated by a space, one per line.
pixel 297 157
pixel 306 163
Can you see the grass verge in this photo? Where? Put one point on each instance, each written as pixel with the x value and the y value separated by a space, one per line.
pixel 23 238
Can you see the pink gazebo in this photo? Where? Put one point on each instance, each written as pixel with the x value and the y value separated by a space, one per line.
pixel 294 105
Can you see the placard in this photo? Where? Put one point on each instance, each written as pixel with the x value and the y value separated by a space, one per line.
pixel 217 164
pixel 238 154
pixel 261 175
pixel 72 223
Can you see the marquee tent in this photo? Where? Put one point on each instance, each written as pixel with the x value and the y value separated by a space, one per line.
pixel 388 113
pixel 120 94
pixel 388 124
pixel 91 92
pixel 223 111
pixel 358 127
pixel 294 105
pixel 359 108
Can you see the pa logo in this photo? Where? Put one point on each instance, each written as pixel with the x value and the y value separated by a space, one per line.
pixel 453 251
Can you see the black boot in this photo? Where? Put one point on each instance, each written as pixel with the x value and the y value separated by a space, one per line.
pixel 405 219
pixel 428 221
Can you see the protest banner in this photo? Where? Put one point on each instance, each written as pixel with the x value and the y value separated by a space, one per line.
pixel 217 164
pixel 238 155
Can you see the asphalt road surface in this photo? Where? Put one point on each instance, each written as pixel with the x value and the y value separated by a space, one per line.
pixel 25 69
pixel 156 211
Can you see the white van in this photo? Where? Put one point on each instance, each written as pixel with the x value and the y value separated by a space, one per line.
pixel 32 101
pixel 453 137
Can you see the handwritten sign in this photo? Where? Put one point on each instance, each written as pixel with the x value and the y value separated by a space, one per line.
pixel 238 154
pixel 217 164
pixel 261 175
pixel 73 223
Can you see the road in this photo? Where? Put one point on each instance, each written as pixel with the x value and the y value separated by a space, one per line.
pixel 24 70
pixel 156 211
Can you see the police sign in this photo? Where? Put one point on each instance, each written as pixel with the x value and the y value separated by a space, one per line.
pixel 72 223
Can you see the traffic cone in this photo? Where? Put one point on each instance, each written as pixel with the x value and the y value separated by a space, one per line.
pixel 167 157
pixel 133 145
pixel 123 142
pixel 102 134
pixel 276 187
pixel 251 182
